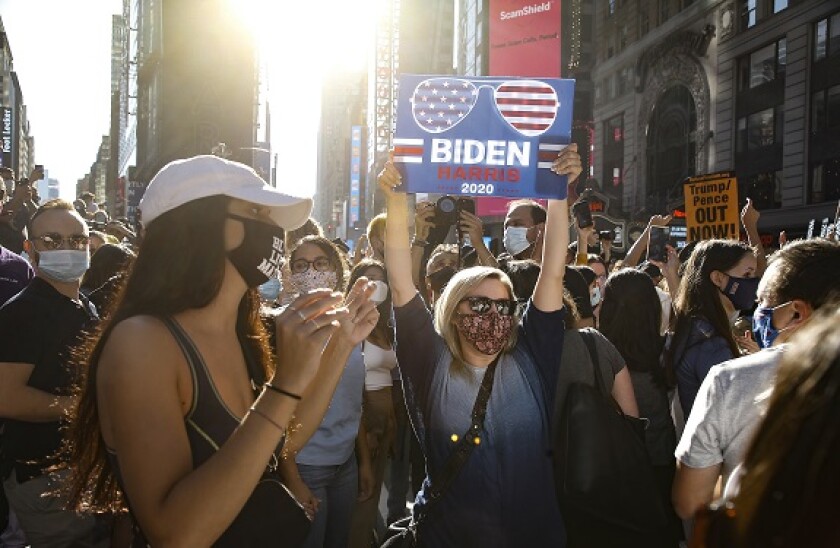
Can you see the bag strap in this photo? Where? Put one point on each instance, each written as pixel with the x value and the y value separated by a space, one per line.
pixel 589 340
pixel 441 482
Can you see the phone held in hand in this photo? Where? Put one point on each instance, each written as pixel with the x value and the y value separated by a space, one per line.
pixel 582 213
pixel 657 250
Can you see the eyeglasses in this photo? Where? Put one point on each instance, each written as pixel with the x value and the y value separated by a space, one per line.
pixel 321 264
pixel 482 305
pixel 53 241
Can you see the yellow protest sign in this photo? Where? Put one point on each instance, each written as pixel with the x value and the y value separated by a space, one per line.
pixel 711 207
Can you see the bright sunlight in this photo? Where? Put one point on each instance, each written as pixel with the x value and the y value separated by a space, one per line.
pixel 300 43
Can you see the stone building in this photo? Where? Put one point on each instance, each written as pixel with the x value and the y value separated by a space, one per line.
pixel 688 87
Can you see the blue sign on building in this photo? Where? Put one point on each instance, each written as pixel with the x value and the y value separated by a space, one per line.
pixel 483 136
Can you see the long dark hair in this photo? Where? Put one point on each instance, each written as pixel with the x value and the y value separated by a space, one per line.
pixel 108 261
pixel 384 330
pixel 698 297
pixel 631 315
pixel 180 266
pixel 788 493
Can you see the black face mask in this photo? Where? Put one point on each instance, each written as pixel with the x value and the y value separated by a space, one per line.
pixel 259 256
pixel 741 292
pixel 439 279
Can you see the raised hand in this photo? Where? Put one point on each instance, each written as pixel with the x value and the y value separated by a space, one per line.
pixel 303 330
pixel 568 163
pixel 749 215
pixel 423 216
pixel 362 314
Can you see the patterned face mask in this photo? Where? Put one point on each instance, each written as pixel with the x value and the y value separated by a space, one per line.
pixel 303 282
pixel 488 333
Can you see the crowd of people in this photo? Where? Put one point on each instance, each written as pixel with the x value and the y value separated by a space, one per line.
pixel 229 376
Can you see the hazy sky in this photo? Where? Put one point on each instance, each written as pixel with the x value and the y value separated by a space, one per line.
pixel 62 54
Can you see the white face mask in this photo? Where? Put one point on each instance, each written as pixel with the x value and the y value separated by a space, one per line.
pixel 380 293
pixel 595 296
pixel 516 240
pixel 63 265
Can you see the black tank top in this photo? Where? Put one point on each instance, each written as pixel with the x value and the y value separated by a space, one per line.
pixel 209 424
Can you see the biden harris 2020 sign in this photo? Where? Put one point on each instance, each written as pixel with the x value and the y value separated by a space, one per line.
pixel 483 136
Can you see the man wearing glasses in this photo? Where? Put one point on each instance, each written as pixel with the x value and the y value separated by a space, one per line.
pixel 38 327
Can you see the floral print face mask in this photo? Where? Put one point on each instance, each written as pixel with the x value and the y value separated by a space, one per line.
pixel 488 333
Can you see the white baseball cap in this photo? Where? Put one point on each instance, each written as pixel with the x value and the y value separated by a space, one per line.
pixel 186 180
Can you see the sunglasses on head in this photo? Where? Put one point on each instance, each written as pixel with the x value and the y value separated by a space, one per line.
pixel 482 305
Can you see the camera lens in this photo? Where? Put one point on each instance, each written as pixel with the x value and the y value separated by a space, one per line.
pixel 446 204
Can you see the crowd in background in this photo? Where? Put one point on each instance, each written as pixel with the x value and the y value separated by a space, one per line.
pixel 229 376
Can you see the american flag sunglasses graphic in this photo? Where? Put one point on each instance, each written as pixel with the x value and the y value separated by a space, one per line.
pixel 529 106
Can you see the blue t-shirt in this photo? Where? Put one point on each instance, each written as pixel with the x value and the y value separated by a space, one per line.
pixel 334 441
pixel 504 494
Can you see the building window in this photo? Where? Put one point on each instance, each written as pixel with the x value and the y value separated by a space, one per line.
pixel 825 181
pixel 758 130
pixel 754 11
pixel 763 65
pixel 664 11
pixel 613 157
pixel 764 189
pixel 827 37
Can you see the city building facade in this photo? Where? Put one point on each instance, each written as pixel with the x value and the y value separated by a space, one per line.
pixel 688 87
pixel 197 83
pixel 17 145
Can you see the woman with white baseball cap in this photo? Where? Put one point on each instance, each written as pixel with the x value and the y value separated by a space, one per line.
pixel 184 410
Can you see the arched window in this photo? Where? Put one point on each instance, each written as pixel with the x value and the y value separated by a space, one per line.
pixel 671 146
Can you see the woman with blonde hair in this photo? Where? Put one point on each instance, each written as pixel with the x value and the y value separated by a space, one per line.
pixel 479 380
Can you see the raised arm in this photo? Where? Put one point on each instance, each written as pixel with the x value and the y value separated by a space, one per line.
pixel 583 236
pixel 140 405
pixel 355 328
pixel 640 246
pixel 423 216
pixel 749 218
pixel 397 247
pixel 548 293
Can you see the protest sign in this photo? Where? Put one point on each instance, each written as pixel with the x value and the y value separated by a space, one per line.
pixel 483 136
pixel 711 207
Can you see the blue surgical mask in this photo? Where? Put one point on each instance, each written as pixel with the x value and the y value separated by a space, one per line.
pixel 763 330
pixel 63 265
pixel 270 290
pixel 516 240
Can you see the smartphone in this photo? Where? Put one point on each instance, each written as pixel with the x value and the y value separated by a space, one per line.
pixel 657 250
pixel 607 235
pixel 582 213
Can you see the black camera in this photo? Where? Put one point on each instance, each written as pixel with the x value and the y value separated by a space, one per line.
pixel 448 210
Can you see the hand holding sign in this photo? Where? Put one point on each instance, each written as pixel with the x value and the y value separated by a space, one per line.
pixel 568 163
